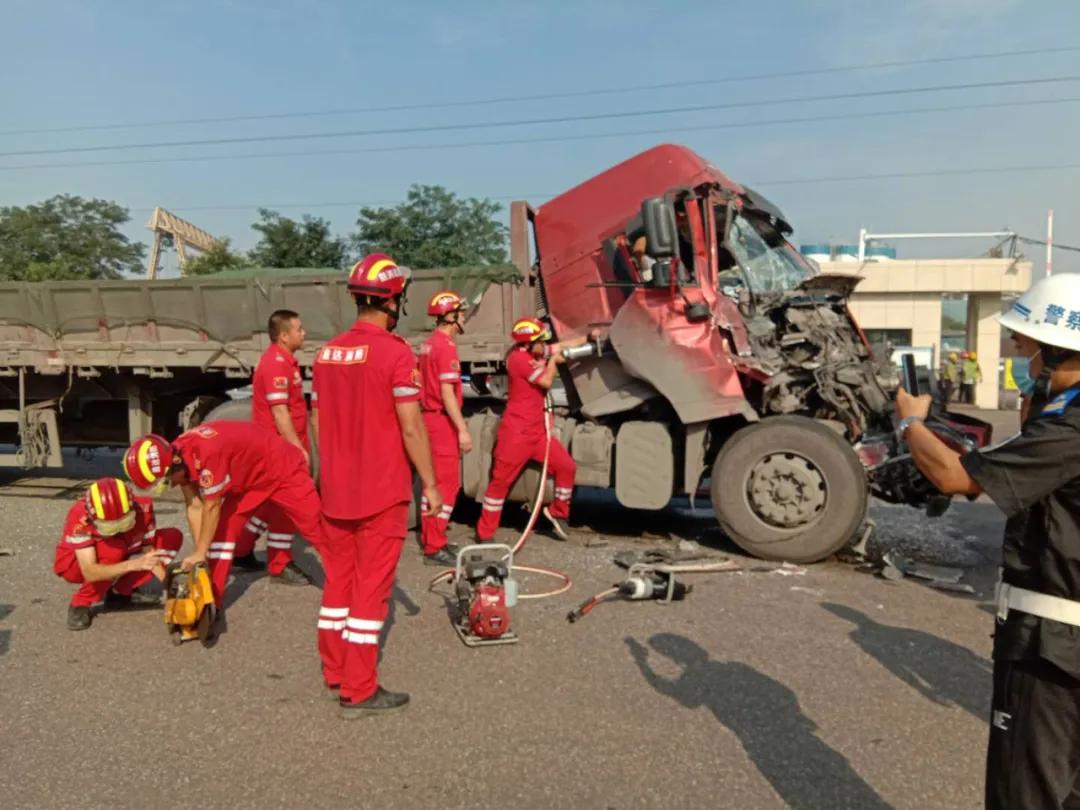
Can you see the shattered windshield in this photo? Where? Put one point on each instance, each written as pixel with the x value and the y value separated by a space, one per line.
pixel 769 261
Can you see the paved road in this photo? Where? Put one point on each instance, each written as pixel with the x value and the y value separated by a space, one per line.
pixel 825 688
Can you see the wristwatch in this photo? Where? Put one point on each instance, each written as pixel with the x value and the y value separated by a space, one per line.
pixel 905 423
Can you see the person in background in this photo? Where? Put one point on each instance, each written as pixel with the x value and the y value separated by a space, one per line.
pixel 950 376
pixel 440 402
pixel 970 376
pixel 277 404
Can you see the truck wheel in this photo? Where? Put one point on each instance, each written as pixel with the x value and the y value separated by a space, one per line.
pixel 233 410
pixel 789 488
pixel 239 410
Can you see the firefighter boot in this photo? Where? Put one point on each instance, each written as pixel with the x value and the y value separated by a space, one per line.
pixel 381 702
pixel 79 617
pixel 291 574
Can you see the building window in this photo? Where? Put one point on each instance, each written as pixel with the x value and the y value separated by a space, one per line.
pixel 880 338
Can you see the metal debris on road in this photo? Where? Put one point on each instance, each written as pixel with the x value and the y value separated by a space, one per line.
pixel 942 577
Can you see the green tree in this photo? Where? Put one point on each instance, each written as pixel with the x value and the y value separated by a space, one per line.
pixel 434 228
pixel 288 243
pixel 220 257
pixel 66 237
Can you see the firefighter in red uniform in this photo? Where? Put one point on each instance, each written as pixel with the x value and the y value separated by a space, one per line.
pixel 111 547
pixel 367 421
pixel 277 404
pixel 440 401
pixel 228 471
pixel 531 367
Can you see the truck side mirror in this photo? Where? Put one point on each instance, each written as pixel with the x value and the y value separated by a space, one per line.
pixel 658 217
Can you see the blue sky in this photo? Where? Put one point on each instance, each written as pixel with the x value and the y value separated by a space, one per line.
pixel 69 63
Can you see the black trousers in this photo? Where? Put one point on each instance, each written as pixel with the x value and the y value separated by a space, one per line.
pixel 967 393
pixel 1033 759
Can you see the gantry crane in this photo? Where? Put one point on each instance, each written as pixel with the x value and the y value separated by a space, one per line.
pixel 183 235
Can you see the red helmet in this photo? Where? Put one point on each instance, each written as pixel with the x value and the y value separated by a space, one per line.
pixel 445 302
pixel 147 461
pixel 379 276
pixel 529 330
pixel 110 505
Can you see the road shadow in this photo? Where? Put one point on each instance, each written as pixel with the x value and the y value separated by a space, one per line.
pixel 398 596
pixel 765 715
pixel 942 672
pixel 5 635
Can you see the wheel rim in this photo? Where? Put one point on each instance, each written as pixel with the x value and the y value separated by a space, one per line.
pixel 787 490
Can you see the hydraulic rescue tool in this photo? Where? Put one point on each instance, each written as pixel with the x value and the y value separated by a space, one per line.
pixel 485 593
pixel 190 611
pixel 652 581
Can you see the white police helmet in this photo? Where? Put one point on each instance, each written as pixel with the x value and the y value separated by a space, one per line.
pixel 1049 312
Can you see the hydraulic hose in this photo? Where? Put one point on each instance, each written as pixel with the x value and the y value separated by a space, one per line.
pixel 538 504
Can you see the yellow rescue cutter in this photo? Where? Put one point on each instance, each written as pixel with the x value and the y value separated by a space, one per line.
pixel 190 611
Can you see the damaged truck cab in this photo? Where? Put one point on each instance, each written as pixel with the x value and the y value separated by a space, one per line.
pixel 727 357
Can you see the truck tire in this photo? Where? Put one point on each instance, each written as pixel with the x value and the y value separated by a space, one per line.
pixel 789 488
pixel 232 410
pixel 239 410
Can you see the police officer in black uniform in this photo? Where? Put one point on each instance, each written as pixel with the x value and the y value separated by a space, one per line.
pixel 1033 759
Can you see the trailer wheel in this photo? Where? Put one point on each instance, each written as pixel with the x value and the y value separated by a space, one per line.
pixel 789 488
pixel 232 410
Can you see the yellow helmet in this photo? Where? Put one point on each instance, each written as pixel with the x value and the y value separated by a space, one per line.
pixel 971 356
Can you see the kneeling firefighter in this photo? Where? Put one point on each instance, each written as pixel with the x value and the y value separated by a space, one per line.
pixel 1034 478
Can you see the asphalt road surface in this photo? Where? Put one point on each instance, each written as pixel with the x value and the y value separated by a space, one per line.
pixel 826 687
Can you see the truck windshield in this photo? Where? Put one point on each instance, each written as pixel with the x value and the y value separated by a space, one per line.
pixel 771 263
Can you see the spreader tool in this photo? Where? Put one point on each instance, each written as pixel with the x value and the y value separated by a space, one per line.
pixel 652 581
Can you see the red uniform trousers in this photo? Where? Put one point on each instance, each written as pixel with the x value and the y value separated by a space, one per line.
pixel 294 508
pixel 513 450
pixel 275 524
pixel 446 456
pixel 92 594
pixel 360 559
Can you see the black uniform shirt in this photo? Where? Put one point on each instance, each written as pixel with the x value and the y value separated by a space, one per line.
pixel 1035 480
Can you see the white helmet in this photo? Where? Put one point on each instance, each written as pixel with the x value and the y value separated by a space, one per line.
pixel 1048 312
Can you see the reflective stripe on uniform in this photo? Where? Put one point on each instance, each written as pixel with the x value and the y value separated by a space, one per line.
pixel 364 624
pixel 451 376
pixel 1043 605
pixel 217 487
pixel 277 397
pixel 78 538
pixel 331 624
pixel 219 555
pixel 405 391
pixel 279 540
pixel 536 375
pixel 360 638
pixel 334 613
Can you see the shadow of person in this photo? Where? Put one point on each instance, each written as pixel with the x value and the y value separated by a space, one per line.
pixel 765 715
pixel 943 672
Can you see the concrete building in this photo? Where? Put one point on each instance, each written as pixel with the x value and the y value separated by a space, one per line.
pixel 905 296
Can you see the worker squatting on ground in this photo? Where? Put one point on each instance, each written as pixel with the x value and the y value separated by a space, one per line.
pixel 228 471
pixel 367 422
pixel 277 404
pixel 531 366
pixel 1034 752
pixel 111 547
pixel 440 401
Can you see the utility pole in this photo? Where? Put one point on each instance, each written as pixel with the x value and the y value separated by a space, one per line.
pixel 1050 242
